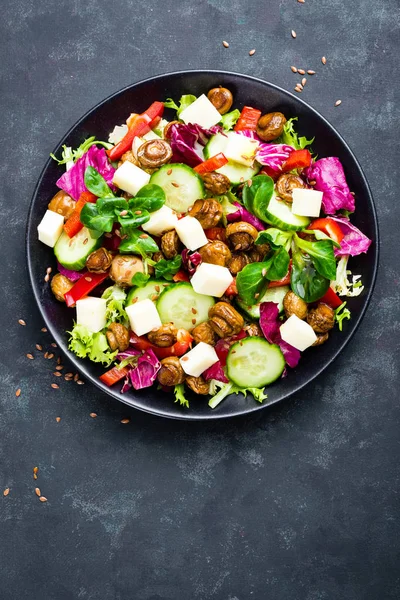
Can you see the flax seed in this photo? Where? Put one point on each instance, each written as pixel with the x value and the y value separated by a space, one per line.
pixel 69 374
pixel 249 182
pixel 108 235
pixel 294 34
pixel 21 322
pixel 264 272
pixel 143 236
pixel 93 415
pixel 50 355
pixel 301 71
pixel 323 60
pixel 43 499
pixel 85 241
pixel 30 356
pixel 252 52
pixel 338 102
pixel 311 72
pixel 34 476
pixel 55 386
pixel 123 213
pixel 59 360
pixel 169 171
pixel 57 374
pixel 301 1
pixel 47 278
pixel 53 345
pixel 294 69
pixel 176 185
pixel 38 347
pixel 125 421
pixel 89 279
pixel 6 492
pixel 157 288
pixel 304 81
pixel 313 182
pixel 38 492
pixel 80 382
pixel 58 419
pixel 194 321
pixel 225 45
pixel 44 329
pixel 194 311
pixel 18 392
pixel 35 470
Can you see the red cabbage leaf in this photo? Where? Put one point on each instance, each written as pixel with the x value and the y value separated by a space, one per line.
pixel 73 181
pixel 270 324
pixel 330 179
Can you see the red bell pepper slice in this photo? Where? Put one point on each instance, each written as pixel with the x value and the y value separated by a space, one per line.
pixel 271 172
pixel 181 276
pixel 331 298
pixel 328 226
pixel 141 124
pixel 232 289
pixel 248 119
pixel 298 159
pixel 284 281
pixel 83 287
pixel 114 375
pixel 181 346
pixel 216 233
pixel 212 164
pixel 73 225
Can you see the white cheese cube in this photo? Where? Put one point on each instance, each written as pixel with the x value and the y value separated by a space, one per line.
pixel 202 112
pixel 306 203
pixel 211 280
pixel 50 228
pixel 197 360
pixel 297 333
pixel 143 316
pixel 130 178
pixel 160 221
pixel 241 149
pixel 91 312
pixel 191 233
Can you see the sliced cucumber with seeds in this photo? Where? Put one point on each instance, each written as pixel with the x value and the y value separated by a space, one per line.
pixel 275 294
pixel 254 362
pixel 182 186
pixel 151 290
pixel 181 305
pixel 280 214
pixel 72 253
pixel 235 172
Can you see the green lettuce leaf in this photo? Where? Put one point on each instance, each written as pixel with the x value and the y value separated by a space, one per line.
pixel 167 268
pixel 230 388
pixel 185 101
pixel 100 350
pixel 291 138
pixel 179 391
pixel 115 307
pixel 80 341
pixel 69 155
pixel 229 119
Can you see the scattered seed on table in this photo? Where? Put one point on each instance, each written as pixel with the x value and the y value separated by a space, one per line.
pixel 59 360
pixel 21 322
pixel 34 476
pixel 225 44
pixel 50 355
pixel 59 367
pixel 311 72
pixel 323 60
pixel 18 392
pixel 55 386
pixel 80 382
pixel 93 415
pixel 53 345
pixel 301 1
pixel 294 69
pixel 76 376
pixel 47 278
pixel 45 355
pixel 296 89
pixel 58 419
pixel 44 330
pixel 49 270
pixel 304 81
pixel 43 499
pixel 30 356
pixel 39 347
pixel 38 492
pixel 35 470
pixel 294 34
pixel 301 71
pixel 125 421
pixel 338 102
pixel 57 374
pixel 252 52
pixel 68 375
pixel 6 492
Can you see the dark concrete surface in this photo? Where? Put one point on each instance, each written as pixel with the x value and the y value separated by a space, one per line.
pixel 299 503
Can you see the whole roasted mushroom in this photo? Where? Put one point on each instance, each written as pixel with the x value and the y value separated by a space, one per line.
pixel 208 212
pixel 293 305
pixel 321 318
pixel 118 337
pixel 241 235
pixel 124 267
pixel 171 372
pixel 216 253
pixel 62 204
pixel 225 320
pixel 204 333
pixel 253 330
pixel 154 154
pixel 238 261
pixel 60 285
pixel 216 183
pixel 164 336
pixel 286 184
pixel 221 98
pixel 99 261
pixel 258 252
pixel 198 385
pixel 170 244
pixel 270 126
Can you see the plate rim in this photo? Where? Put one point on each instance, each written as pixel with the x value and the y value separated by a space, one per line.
pixel 211 415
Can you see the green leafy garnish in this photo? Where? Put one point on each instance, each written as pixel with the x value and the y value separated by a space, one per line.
pixel 115 307
pixel 230 388
pixel 179 391
pixel 185 101
pixel 150 197
pixel 322 255
pixel 140 279
pixel 321 235
pixel 257 195
pixel 229 119
pixel 291 138
pixel 100 350
pixel 305 279
pixel 84 344
pixel 275 238
pixel 167 268
pixel 342 313
pixel 138 242
pixel 96 183
pixel 252 280
pixel 69 155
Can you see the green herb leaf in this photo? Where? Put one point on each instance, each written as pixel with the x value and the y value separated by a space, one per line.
pixel 321 235
pixel 167 268
pixel 291 138
pixel 322 254
pixel 136 244
pixel 185 101
pixel 91 218
pixel 131 220
pixel 342 313
pixel 305 280
pixel 179 391
pixel 140 279
pixel 150 197
pixel 169 103
pixel 251 282
pixel 279 264
pixel 96 184
pixel 256 197
pixel 275 238
pixel 110 207
pixel 229 119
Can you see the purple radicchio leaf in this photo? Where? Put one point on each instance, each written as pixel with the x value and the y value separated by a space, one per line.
pixel 330 179
pixel 190 261
pixel 270 324
pixel 73 182
pixel 187 142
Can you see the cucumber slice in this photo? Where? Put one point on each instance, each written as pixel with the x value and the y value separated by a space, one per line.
pixel 254 362
pixel 152 290
pixel 235 172
pixel 276 295
pixel 187 189
pixel 176 303
pixel 280 214
pixel 73 252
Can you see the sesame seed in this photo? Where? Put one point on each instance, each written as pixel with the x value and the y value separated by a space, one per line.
pixel 44 329
pixel 176 185
pixel 294 34
pixel 301 71
pixel 38 492
pixel 311 72
pixel 21 322
pixel 93 415
pixel 252 52
pixel 6 492
pixel 58 419
pixel 30 356
pixel 323 60
pixel 125 421
pixel 294 69
pixel 225 44
pixel 338 102
pixel 304 81
pixel 38 347
pixel 43 499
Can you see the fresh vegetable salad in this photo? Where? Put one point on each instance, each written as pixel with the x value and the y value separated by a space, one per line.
pixel 205 252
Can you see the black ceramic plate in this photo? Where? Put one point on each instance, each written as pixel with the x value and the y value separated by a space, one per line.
pixel 246 91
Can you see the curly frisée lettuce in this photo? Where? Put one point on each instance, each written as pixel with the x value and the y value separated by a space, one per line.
pixel 231 388
pixel 84 343
pixel 179 391
pixel 291 138
pixel 342 284
pixel 115 307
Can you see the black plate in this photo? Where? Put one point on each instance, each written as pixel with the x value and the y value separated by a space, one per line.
pixel 246 90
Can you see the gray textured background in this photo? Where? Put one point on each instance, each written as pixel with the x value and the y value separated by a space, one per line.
pixel 298 503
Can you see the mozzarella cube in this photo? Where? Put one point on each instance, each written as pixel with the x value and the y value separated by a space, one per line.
pixel 91 312
pixel 50 228
pixel 306 203
pixel 297 333
pixel 130 178
pixel 160 221
pixel 197 360
pixel 211 280
pixel 241 149
pixel 202 112
pixel 143 316
pixel 191 233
